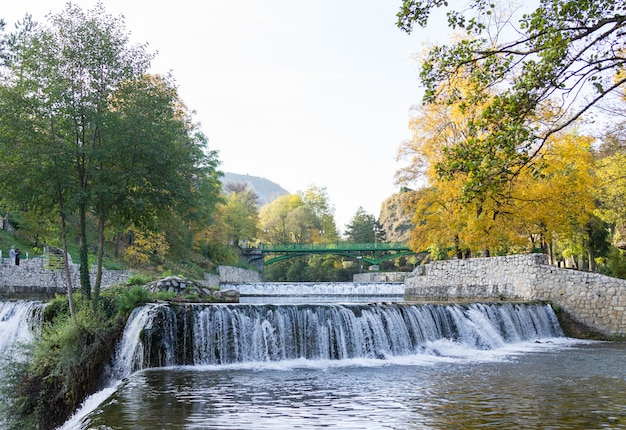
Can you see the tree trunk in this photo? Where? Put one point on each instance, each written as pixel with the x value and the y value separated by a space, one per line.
pixel 85 282
pixel 66 264
pixel 96 288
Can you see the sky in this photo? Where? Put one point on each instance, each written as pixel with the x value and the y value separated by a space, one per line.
pixel 303 93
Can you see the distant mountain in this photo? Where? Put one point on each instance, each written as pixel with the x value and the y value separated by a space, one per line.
pixel 267 190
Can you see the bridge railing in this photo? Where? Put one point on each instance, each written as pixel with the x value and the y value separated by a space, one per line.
pixel 312 247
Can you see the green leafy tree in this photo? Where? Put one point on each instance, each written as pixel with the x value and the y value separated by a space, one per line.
pixel 362 227
pixel 240 214
pixel 559 51
pixel 317 200
pixel 87 131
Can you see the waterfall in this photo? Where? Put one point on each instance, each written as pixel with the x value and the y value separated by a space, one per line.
pixel 18 322
pixel 320 289
pixel 130 352
pixel 224 334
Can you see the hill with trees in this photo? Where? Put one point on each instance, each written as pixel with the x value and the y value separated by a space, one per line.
pixel 266 190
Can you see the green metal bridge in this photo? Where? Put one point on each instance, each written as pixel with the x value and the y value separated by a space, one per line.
pixel 372 253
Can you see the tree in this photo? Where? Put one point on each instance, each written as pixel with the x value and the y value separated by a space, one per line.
pixel 318 202
pixel 565 49
pixel 361 228
pixel 94 135
pixel 302 218
pixel 239 213
pixel 273 219
pixel 553 199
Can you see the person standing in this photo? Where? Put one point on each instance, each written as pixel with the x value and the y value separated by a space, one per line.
pixel 17 256
pixel 12 255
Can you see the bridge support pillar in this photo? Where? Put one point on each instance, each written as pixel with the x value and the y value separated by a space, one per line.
pixel 254 257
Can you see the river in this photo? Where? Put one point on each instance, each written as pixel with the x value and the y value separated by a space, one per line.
pixel 558 384
pixel 287 363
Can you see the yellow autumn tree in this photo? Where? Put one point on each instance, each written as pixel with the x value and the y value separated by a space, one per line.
pixel 444 220
pixel 145 246
pixel 556 200
pixel 550 198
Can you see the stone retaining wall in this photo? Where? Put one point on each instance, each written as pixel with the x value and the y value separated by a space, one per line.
pixel 32 279
pixel 236 275
pixel 594 300
pixel 379 277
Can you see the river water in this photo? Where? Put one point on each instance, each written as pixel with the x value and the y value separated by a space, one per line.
pixel 312 363
pixel 557 384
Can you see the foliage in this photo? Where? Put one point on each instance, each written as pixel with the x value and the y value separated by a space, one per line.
pixel 131 298
pixel 563 49
pixel 145 246
pixel 616 263
pixel 394 218
pixel 551 198
pixel 611 192
pixel 238 214
pixel 86 133
pixel 305 217
pixel 316 199
pixel 62 362
pixel 58 371
pixel 138 279
pixel 362 227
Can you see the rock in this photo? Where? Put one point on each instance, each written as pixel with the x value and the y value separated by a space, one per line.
pixel 226 296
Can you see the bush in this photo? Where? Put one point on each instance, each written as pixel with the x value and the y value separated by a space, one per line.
pixel 616 263
pixel 138 279
pixel 131 298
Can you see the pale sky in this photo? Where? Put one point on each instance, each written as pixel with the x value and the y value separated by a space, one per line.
pixel 300 93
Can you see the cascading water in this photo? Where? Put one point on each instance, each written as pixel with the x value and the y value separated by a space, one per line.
pixel 159 335
pixel 321 289
pixel 226 334
pixel 18 321
pixel 130 351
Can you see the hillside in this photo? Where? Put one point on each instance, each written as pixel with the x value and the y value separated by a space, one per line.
pixel 267 190
pixel 394 218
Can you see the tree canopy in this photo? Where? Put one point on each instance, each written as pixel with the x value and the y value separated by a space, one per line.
pixel 565 57
pixel 87 132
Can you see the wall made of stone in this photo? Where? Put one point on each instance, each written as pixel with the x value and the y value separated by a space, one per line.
pixel 379 277
pixel 595 300
pixel 236 275
pixel 33 279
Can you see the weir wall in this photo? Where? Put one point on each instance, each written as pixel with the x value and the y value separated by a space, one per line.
pixel 596 301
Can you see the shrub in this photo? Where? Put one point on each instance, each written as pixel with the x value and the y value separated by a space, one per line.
pixel 138 279
pixel 132 298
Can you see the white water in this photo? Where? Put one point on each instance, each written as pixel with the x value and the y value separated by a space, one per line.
pixel 18 320
pixel 297 336
pixel 128 359
pixel 320 289
pixel 257 333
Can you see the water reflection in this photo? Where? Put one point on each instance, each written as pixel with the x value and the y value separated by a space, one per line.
pixel 551 386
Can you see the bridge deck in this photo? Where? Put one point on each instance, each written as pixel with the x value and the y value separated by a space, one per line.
pixel 372 253
pixel 332 247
